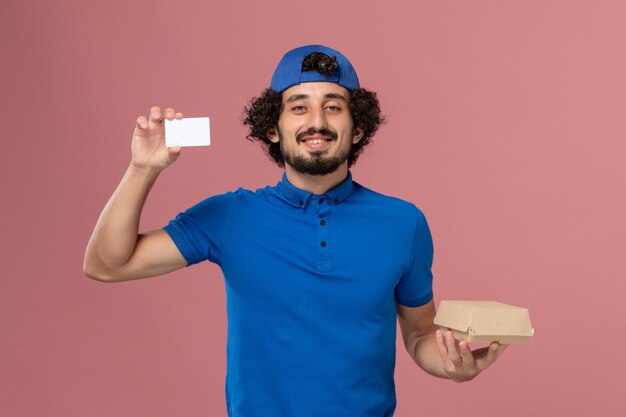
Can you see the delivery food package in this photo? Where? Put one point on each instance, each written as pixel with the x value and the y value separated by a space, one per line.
pixel 484 321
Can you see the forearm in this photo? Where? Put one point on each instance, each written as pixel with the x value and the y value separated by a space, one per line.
pixel 426 355
pixel 115 235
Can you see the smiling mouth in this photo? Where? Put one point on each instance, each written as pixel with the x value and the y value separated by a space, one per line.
pixel 316 136
pixel 317 144
pixel 316 141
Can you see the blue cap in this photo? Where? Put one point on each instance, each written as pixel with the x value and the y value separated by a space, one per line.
pixel 289 71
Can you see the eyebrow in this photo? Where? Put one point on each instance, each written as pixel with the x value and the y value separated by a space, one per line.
pixel 296 97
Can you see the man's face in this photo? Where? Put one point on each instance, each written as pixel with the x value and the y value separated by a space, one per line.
pixel 315 127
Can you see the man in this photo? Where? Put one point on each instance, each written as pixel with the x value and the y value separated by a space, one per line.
pixel 317 268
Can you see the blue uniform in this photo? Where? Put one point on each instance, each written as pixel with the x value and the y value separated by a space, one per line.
pixel 312 283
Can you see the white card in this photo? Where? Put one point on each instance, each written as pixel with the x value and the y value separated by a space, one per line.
pixel 190 131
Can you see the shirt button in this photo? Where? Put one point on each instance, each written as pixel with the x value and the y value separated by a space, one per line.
pixel 321 200
pixel 322 222
pixel 301 202
pixel 323 244
pixel 336 201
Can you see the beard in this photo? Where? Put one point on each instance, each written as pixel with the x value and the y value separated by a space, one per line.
pixel 317 164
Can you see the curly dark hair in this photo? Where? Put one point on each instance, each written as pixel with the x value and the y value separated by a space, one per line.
pixel 264 111
pixel 320 62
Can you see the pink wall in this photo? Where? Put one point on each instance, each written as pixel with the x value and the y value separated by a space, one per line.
pixel 506 126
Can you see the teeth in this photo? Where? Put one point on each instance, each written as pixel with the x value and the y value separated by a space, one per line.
pixel 315 141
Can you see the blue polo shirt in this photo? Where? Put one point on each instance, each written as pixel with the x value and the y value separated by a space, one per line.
pixel 312 283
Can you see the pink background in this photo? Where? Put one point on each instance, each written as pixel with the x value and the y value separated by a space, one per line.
pixel 506 127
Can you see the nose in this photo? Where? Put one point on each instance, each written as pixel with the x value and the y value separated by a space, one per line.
pixel 317 118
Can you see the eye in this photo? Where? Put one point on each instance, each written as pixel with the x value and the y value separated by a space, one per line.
pixel 298 109
pixel 333 108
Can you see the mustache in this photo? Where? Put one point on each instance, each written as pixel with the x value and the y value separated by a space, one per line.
pixel 313 131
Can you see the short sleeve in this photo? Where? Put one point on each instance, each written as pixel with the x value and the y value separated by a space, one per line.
pixel 415 286
pixel 198 231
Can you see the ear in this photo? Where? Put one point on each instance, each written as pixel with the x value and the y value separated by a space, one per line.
pixel 272 136
pixel 358 134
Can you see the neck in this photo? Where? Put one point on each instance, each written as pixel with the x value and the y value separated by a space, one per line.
pixel 316 184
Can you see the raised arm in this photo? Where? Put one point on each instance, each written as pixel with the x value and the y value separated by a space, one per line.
pixel 116 250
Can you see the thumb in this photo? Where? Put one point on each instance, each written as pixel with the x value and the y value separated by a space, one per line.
pixel 173 153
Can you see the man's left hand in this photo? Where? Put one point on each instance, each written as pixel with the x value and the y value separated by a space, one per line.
pixel 462 364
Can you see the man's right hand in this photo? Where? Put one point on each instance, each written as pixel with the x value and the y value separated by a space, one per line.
pixel 148 147
pixel 116 250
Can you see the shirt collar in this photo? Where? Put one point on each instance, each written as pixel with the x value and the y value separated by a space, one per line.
pixel 300 198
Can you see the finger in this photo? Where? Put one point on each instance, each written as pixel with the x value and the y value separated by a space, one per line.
pixel 493 352
pixel 443 350
pixel 453 353
pixel 174 149
pixel 155 114
pixel 169 113
pixel 441 345
pixel 179 115
pixel 142 123
pixel 466 353
pixel 500 349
